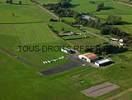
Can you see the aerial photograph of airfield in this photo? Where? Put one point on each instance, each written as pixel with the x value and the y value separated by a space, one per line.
pixel 65 49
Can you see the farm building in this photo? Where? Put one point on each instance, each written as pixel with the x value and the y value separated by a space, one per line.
pixel 86 17
pixel 103 62
pixel 89 57
pixel 121 40
pixel 114 39
pixel 68 51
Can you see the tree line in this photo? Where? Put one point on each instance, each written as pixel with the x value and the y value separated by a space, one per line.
pixel 11 2
pixel 62 8
pixel 106 49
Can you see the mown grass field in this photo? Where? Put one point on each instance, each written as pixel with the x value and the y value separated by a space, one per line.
pixel 28 25
pixel 48 1
pixel 126 96
pixel 20 81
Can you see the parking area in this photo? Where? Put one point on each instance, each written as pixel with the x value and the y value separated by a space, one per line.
pixel 74 62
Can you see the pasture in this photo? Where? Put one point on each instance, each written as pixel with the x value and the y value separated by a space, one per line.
pixel 84 39
pixel 25 27
pixel 112 8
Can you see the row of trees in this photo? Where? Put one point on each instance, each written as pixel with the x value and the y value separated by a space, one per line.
pixel 62 8
pixel 11 2
pixel 106 48
pixel 109 30
pixel 62 4
pixel 65 4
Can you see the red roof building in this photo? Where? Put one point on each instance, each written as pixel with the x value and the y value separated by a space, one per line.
pixel 88 57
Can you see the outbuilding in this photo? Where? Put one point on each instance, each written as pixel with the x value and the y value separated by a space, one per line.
pixel 86 17
pixel 103 62
pixel 114 39
pixel 68 51
pixel 89 57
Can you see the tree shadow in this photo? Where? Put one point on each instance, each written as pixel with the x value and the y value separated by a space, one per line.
pixel 24 22
pixel 75 5
pixel 108 8
pixel 20 4
pixel 125 23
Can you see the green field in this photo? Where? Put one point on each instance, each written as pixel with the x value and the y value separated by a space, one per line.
pixel 27 24
pixel 48 1
pixel 27 28
pixel 126 96
pixel 113 8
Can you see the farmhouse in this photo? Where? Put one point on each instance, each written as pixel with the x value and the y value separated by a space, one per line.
pixel 89 57
pixel 103 62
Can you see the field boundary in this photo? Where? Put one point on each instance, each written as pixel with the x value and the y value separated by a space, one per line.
pixel 120 94
pixel 43 8
pixel 124 3
pixel 13 55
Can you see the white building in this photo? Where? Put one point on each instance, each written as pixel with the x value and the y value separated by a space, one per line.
pixel 114 39
pixel 121 40
pixel 86 17
pixel 103 62
pixel 65 50
pixel 68 51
